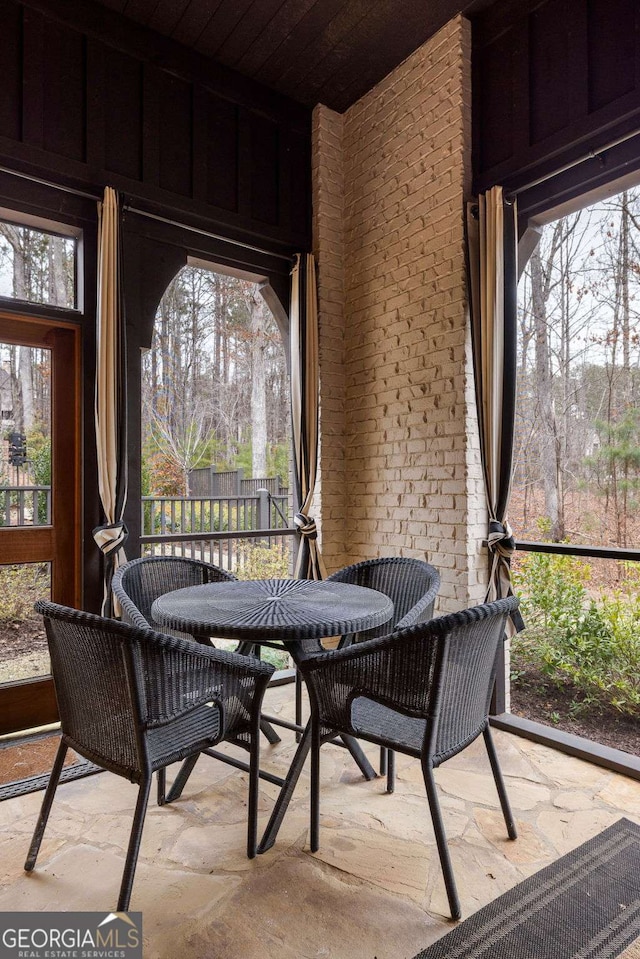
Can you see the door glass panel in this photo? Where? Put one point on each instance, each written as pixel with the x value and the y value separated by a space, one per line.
pixel 25 420
pixel 23 644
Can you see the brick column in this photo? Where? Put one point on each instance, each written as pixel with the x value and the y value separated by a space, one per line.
pixel 400 457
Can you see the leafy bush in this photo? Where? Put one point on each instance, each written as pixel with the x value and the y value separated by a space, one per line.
pixel 262 562
pixel 20 587
pixel 572 637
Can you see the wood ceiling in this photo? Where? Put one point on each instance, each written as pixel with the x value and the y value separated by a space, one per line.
pixel 314 51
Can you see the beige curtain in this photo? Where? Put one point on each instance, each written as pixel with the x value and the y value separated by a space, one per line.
pixel 304 408
pixel 492 267
pixel 110 399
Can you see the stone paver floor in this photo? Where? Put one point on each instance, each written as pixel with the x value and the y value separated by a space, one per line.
pixel 373 891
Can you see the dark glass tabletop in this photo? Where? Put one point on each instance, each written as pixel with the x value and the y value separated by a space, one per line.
pixel 282 609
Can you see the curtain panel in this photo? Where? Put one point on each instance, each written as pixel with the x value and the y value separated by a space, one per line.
pixel 492 271
pixel 110 395
pixel 304 410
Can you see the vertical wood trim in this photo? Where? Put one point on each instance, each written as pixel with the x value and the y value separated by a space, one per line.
pixel 33 79
pixel 199 145
pixel 150 127
pixel 95 85
pixel 66 499
pixel 284 174
pixel 521 102
pixel 244 199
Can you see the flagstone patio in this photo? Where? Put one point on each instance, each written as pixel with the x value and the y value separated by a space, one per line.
pixel 373 891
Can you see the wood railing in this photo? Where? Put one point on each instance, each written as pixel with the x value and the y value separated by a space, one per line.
pixel 25 505
pixel 219 529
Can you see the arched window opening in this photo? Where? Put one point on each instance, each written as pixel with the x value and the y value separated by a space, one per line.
pixel 216 444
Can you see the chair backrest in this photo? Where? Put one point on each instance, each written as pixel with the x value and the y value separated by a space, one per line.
pixel 411 584
pixel 93 684
pixel 467 674
pixel 138 583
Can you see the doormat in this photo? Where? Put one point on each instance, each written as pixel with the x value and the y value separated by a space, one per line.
pixel 25 765
pixel 584 906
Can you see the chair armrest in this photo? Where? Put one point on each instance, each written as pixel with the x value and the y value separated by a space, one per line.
pixel 396 670
pixel 176 676
pixel 422 612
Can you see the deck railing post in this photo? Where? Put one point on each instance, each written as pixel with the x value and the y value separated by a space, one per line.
pixel 264 509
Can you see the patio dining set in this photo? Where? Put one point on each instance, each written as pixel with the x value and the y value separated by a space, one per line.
pixel 138 694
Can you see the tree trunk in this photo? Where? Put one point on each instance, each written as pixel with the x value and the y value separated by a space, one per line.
pixel 258 386
pixel 545 400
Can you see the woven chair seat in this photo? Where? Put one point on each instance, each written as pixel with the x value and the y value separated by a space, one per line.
pixel 183 736
pixel 380 724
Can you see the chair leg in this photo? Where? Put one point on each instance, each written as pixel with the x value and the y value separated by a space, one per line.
pixel 45 809
pixel 162 786
pixel 298 719
pixel 391 770
pixel 383 760
pixel 269 733
pixel 181 779
pixel 134 845
pixel 314 838
pixel 441 841
pixel 254 782
pixel 500 786
pixel 286 791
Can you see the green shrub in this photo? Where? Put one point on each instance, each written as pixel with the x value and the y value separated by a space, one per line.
pixel 20 587
pixel 572 637
pixel 262 562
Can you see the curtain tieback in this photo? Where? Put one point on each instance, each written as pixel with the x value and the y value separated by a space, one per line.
pixel 110 537
pixel 500 539
pixel 306 525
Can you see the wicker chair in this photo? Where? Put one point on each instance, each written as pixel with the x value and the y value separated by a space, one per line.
pixel 139 582
pixel 132 701
pixel 136 585
pixel 413 586
pixel 423 691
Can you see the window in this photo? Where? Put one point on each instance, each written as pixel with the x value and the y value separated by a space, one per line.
pixel 577 475
pixel 37 266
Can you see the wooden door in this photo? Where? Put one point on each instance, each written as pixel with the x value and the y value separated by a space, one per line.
pixel 40 531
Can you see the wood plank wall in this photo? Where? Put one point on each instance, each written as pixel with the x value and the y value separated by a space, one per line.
pixel 553 80
pixel 90 99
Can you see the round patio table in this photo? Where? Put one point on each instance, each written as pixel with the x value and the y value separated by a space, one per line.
pixel 274 610
pixel 296 613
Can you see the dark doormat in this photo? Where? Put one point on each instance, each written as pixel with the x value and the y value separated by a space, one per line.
pixel 25 764
pixel 584 906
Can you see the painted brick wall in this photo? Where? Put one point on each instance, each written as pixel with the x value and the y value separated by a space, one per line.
pixel 400 465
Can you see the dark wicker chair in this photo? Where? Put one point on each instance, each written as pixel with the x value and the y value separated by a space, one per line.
pixel 412 585
pixel 136 585
pixel 423 691
pixel 139 582
pixel 132 701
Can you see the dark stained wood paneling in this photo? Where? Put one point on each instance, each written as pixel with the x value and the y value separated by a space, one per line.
pixel 221 25
pixel 555 45
pixel 114 103
pixel 264 157
pixel 494 142
pixel 570 87
pixel 614 33
pixel 222 153
pixel 328 50
pixel 11 85
pixel 123 78
pixel 64 89
pixel 175 134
